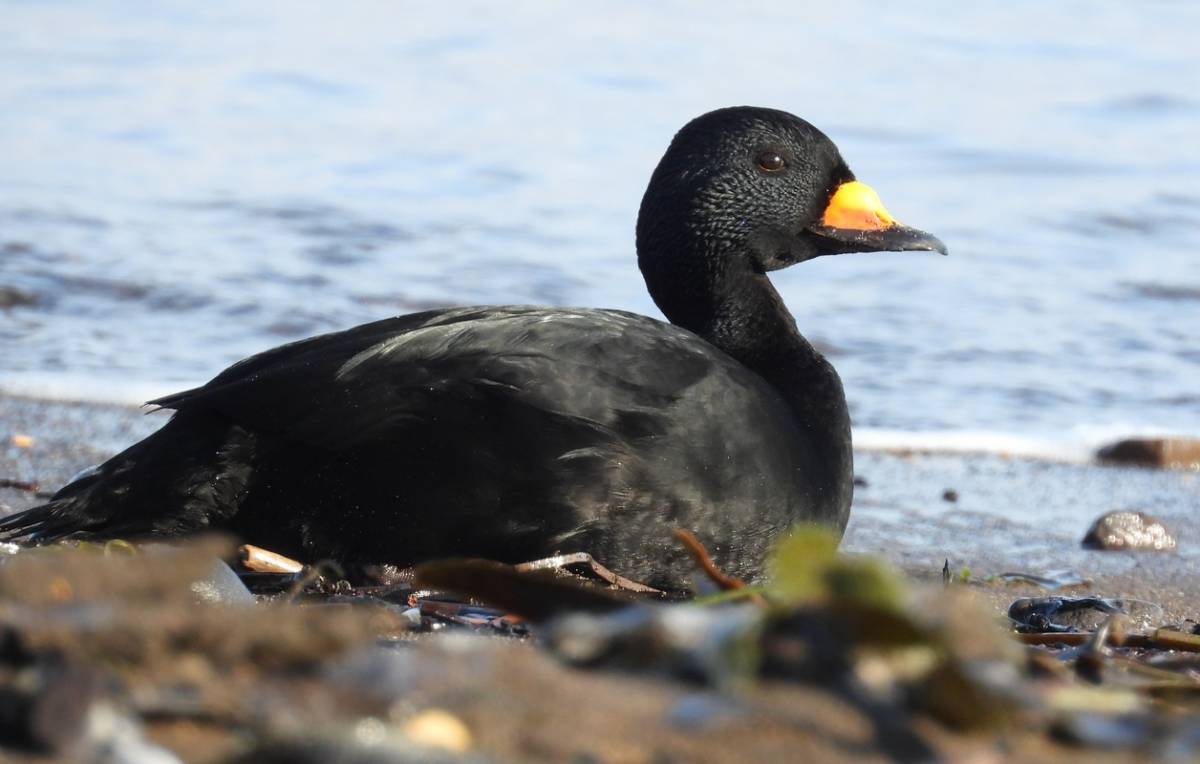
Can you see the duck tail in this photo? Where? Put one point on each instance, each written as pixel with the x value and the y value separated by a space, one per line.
pixel 188 476
pixel 70 513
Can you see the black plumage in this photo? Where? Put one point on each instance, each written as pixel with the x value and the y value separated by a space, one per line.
pixel 519 432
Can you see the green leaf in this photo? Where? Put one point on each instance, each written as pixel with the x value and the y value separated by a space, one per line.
pixel 799 563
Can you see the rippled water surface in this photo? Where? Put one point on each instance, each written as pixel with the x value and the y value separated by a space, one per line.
pixel 189 183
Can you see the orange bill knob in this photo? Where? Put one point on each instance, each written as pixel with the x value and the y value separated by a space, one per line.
pixel 856 207
pixel 856 221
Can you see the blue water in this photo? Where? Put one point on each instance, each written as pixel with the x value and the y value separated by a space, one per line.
pixel 188 183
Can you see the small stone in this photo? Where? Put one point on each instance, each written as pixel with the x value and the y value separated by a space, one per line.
pixel 950 495
pixel 1130 531
pixel 1059 614
pixel 370 731
pixel 222 587
pixel 1164 453
pixel 435 728
pixel 59 708
pixel 12 297
pixel 698 711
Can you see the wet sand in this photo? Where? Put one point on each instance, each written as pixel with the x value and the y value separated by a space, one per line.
pixel 1010 514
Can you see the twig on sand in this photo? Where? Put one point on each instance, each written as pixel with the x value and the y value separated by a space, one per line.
pixel 1171 639
pixel 583 558
pixel 1161 639
pixel 28 486
pixel 259 560
pixel 1078 638
pixel 700 554
pixel 313 575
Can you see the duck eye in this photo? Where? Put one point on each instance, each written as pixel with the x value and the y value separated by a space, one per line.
pixel 771 161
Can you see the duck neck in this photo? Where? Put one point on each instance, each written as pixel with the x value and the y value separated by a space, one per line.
pixel 735 307
pixel 750 322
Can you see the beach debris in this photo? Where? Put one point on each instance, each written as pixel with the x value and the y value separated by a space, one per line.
pixel 715 646
pixel 1163 453
pixel 1076 614
pixel 1173 639
pixel 438 728
pixel 95 646
pixel 537 595
pixel 1051 580
pixel 21 440
pixel 348 749
pixel 1119 721
pixel 565 561
pixel 856 618
pixel 47 710
pixel 222 587
pixel 1091 657
pixel 27 486
pixel 718 577
pixel 963 576
pixel 1109 727
pixel 704 709
pixel 950 495
pixel 805 567
pixel 259 560
pixel 1076 638
pixel 1158 639
pixel 324 671
pixel 1128 531
pixel 272 584
pixel 429 614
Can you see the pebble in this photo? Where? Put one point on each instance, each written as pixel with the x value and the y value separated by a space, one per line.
pixel 222 587
pixel 702 710
pixel 1128 531
pixel 1164 453
pixel 436 728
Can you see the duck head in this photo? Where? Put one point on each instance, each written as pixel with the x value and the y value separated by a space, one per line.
pixel 749 189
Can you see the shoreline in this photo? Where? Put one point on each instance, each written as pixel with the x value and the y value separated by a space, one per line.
pixel 1074 445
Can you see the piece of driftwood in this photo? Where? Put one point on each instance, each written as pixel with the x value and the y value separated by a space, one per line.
pixel 1161 639
pixel 700 554
pixel 259 560
pixel 583 558
pixel 1170 639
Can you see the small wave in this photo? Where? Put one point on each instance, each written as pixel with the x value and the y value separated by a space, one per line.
pixel 90 388
pixel 1075 445
pixel 1156 291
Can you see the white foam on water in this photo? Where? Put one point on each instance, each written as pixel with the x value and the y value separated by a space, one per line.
pixel 89 388
pixel 1077 444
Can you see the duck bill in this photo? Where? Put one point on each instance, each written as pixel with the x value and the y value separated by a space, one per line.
pixel 895 238
pixel 856 221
